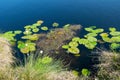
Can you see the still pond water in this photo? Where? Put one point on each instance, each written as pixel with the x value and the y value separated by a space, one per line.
pixel 14 14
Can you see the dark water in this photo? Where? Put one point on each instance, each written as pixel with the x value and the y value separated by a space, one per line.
pixel 14 14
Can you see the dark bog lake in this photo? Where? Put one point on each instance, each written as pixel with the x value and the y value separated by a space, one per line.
pixel 14 14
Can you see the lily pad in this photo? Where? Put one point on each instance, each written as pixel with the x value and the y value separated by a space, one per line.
pixel 85 72
pixel 104 35
pixel 91 34
pixel 35 30
pixel 117 33
pixel 17 32
pixel 55 24
pixel 44 28
pixel 65 46
pixel 115 45
pixel 75 39
pixel 92 39
pixel 73 50
pixel 112 29
pixel 89 29
pixel 73 44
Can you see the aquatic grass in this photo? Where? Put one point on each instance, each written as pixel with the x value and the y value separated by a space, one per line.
pixel 109 67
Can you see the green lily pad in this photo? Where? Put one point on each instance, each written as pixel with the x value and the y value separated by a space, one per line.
pixel 91 45
pixel 83 41
pixel 74 50
pixel 75 39
pixel 115 39
pixel 89 29
pixel 35 30
pixel 21 45
pixel 40 22
pixel 104 35
pixel 55 24
pixel 115 33
pixel 91 34
pixel 73 44
pixel 112 29
pixel 27 27
pixel 98 30
pixel 17 32
pixel 85 72
pixel 92 39
pixel 65 46
pixel 115 45
pixel 36 24
pixel 44 28
pixel 27 32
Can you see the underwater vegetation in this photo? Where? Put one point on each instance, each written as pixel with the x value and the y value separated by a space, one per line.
pixel 49 53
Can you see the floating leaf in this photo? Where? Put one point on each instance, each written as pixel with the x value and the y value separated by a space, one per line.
pixel 73 50
pixel 98 31
pixel 115 33
pixel 115 39
pixel 85 72
pixel 44 28
pixel 65 46
pixel 36 24
pixel 112 29
pixel 73 44
pixel 27 32
pixel 35 30
pixel 40 22
pixel 91 34
pixel 115 45
pixel 17 32
pixel 27 27
pixel 92 39
pixel 83 41
pixel 75 39
pixel 104 35
pixel 66 26
pixel 55 24
pixel 89 29
pixel 91 45
pixel 21 45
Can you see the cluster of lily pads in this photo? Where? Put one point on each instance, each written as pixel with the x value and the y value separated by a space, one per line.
pixel 113 37
pixel 10 36
pixel 90 40
pixel 29 36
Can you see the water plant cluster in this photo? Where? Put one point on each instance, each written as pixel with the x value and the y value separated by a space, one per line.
pixel 45 64
pixel 29 36
pixel 92 38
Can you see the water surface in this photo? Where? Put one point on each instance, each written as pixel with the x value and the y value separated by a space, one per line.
pixel 14 14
